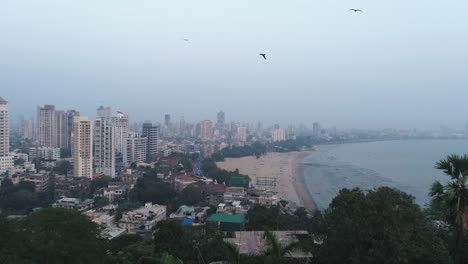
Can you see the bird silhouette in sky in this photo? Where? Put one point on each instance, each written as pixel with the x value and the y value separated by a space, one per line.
pixel 187 40
pixel 263 55
pixel 355 10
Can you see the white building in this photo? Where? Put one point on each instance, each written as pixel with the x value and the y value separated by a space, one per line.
pixel 120 123
pixel 279 135
pixel 6 161
pixel 44 153
pixel 82 147
pixel 242 134
pixel 104 147
pixel 143 219
pixel 136 149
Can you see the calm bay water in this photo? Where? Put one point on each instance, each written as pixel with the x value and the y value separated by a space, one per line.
pixel 407 165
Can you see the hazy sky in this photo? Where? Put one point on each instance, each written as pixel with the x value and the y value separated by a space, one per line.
pixel 399 63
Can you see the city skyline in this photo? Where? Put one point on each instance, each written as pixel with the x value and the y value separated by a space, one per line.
pixel 336 67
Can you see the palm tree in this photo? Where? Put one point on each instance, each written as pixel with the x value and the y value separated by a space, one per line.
pixel 169 259
pixel 276 251
pixel 452 198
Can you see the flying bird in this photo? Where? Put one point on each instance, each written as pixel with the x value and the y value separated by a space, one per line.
pixel 355 10
pixel 263 55
pixel 188 40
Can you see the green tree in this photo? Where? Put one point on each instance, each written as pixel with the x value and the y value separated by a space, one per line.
pixel 190 196
pixel 58 236
pixel 380 226
pixel 99 183
pixel 168 259
pixel 450 201
pixel 276 251
pixel 63 167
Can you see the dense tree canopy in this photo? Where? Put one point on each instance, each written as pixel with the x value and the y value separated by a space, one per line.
pixel 53 236
pixel 211 170
pixel 151 189
pixel 381 226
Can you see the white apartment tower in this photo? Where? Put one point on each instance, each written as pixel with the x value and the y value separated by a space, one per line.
pixel 242 134
pixel 120 123
pixel 47 126
pixel 104 147
pixel 279 135
pixel 6 160
pixel 82 147
pixel 136 149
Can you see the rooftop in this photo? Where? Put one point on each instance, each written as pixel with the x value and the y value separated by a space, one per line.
pixel 227 218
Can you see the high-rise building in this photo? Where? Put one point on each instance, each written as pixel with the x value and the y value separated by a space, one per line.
pixel 316 129
pixel 28 129
pixel 136 149
pixel 120 123
pixel 279 135
pixel 6 160
pixel 70 116
pixel 104 147
pixel 47 126
pixel 206 130
pixel 182 127
pixel 82 147
pixel 151 132
pixel 167 119
pixel 220 121
pixel 104 113
pixel 61 118
pixel 242 134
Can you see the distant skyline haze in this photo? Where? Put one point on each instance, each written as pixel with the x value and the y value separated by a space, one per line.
pixel 400 64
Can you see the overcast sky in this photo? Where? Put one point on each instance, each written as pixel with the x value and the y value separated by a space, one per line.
pixel 398 64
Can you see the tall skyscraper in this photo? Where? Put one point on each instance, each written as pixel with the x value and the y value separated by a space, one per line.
pixel 120 123
pixel 82 147
pixel 28 128
pixel 279 135
pixel 151 132
pixel 316 129
pixel 104 147
pixel 47 126
pixel 104 113
pixel 136 149
pixel 220 121
pixel 61 118
pixel 167 119
pixel 6 160
pixel 70 116
pixel 242 134
pixel 206 130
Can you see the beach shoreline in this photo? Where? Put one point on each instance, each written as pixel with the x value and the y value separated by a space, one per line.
pixel 287 168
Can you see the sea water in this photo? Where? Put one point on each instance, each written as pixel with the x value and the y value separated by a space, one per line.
pixel 405 164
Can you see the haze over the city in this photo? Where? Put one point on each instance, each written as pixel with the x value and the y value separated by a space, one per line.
pixel 397 64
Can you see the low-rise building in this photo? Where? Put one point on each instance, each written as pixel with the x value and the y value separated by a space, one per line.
pixel 182 181
pixel 41 181
pixel 213 193
pixel 71 186
pixel 112 192
pixel 143 219
pixel 198 214
pixel 44 153
pixel 74 203
pixel 254 243
pixel 234 194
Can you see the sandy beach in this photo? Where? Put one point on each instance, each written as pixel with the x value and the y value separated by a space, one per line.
pixel 285 167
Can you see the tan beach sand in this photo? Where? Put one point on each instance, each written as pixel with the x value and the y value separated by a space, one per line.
pixel 285 167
